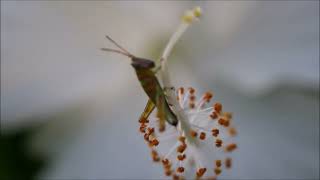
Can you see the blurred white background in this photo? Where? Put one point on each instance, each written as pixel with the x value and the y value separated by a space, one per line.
pixel 261 59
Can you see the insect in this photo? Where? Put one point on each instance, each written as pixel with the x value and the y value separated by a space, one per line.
pixel 150 84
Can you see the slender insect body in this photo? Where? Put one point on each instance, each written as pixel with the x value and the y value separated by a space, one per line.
pixel 152 88
pixel 150 84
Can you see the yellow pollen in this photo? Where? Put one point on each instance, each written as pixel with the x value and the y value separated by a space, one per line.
pixel 188 17
pixel 197 12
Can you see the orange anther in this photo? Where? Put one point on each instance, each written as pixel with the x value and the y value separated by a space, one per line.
pixel 227 123
pixel 217 171
pixel 181 157
pixel 154 153
pixel 150 144
pixel 201 172
pixel 167 167
pixel 224 122
pixel 218 142
pixel 182 139
pixel 193 133
pixel 192 98
pixel 228 162
pixel 218 163
pixel 180 169
pixel 168 172
pixel 232 131
pixel 165 161
pixel 143 125
pixel 146 137
pixel 142 128
pixel 221 121
pixel 217 107
pixel 202 135
pixel 143 120
pixel 181 90
pixel 231 147
pixel 207 96
pixel 215 132
pixel 155 156
pixel 181 148
pixel 191 90
pixel 214 115
pixel 150 130
pixel 155 142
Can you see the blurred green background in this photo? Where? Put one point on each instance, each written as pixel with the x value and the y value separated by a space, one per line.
pixel 69 111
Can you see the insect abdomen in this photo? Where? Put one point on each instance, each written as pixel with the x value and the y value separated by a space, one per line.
pixel 153 89
pixel 149 83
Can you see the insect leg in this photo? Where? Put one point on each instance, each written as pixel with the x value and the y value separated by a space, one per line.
pixel 147 111
pixel 161 111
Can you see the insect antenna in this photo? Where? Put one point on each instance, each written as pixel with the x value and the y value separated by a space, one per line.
pixel 116 51
pixel 123 52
